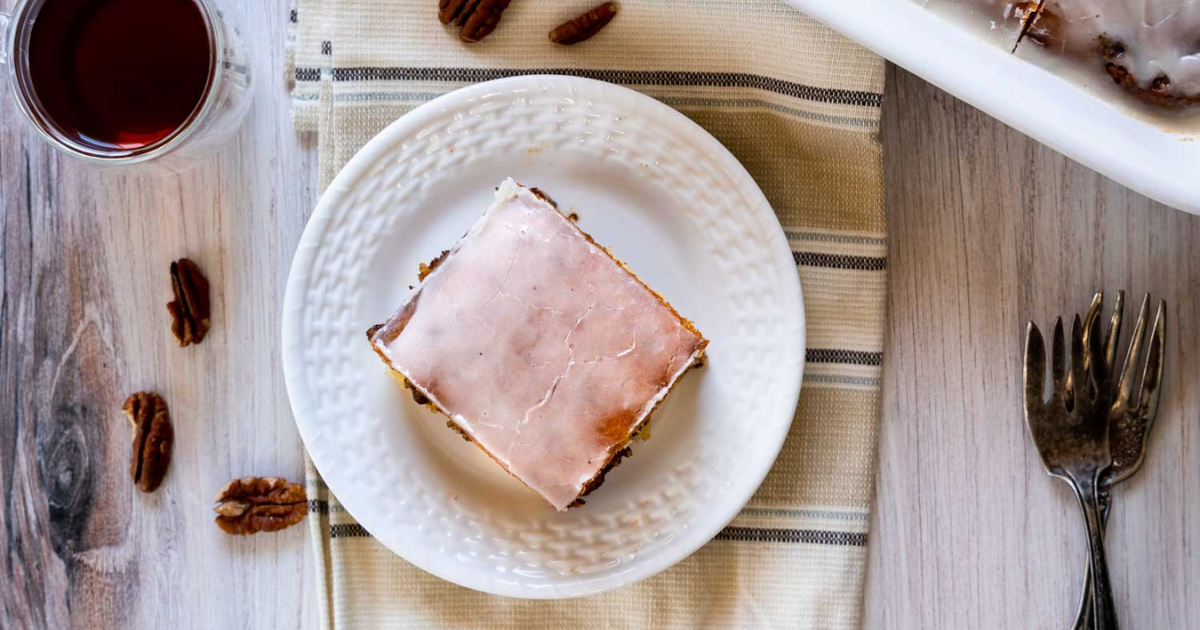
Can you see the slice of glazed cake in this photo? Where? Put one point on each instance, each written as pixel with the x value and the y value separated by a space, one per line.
pixel 539 346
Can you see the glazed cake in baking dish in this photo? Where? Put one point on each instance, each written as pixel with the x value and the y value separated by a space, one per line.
pixel 539 346
pixel 1149 48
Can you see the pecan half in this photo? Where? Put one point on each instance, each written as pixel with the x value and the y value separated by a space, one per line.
pixel 480 18
pixel 153 438
pixel 190 310
pixel 583 27
pixel 259 504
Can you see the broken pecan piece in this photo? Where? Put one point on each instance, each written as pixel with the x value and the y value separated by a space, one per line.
pixel 259 504
pixel 583 27
pixel 190 310
pixel 153 438
pixel 423 270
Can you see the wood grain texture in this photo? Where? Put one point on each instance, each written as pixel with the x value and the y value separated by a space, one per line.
pixel 84 257
pixel 989 229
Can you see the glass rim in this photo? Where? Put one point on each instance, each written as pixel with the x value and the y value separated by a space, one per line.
pixel 30 106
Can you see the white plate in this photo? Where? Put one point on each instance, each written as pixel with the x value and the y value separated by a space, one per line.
pixel 670 201
pixel 1159 163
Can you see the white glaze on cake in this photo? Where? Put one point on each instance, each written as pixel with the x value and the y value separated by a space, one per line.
pixel 538 345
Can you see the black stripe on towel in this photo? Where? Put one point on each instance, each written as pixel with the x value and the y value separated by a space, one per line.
pixel 853 357
pixel 840 261
pixel 779 535
pixel 348 530
pixel 632 77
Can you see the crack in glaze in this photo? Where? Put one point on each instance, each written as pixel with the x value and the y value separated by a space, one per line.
pixel 507 270
pixel 558 379
pixel 675 355
pixel 528 305
pixel 543 402
pixel 612 357
pixel 484 323
pixel 579 322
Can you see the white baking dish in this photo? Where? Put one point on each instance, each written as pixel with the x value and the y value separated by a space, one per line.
pixel 1159 163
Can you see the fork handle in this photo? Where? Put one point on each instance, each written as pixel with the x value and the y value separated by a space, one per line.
pixel 1103 609
pixel 1083 614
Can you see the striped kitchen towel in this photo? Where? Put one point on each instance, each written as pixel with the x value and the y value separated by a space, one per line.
pixel 799 105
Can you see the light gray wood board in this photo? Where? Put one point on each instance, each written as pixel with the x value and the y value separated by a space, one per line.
pixel 989 230
pixel 83 260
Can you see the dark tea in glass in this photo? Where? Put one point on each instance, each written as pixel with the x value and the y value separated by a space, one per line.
pixel 120 74
pixel 127 81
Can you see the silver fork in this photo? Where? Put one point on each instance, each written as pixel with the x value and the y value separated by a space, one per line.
pixel 1129 423
pixel 1070 432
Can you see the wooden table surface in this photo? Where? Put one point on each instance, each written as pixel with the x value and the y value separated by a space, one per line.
pixel 989 229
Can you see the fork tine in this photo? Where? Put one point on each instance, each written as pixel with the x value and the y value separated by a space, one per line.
pixel 1133 356
pixel 1152 376
pixel 1035 370
pixel 1058 363
pixel 1093 313
pixel 1114 332
pixel 1078 369
pixel 1097 368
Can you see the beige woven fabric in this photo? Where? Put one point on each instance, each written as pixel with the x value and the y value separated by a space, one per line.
pixel 799 106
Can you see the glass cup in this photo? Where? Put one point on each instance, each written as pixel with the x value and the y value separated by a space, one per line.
pixel 216 117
